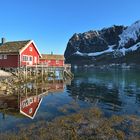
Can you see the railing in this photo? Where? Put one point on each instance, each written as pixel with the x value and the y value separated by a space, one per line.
pixel 46 66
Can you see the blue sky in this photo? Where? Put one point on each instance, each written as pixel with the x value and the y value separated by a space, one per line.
pixel 51 23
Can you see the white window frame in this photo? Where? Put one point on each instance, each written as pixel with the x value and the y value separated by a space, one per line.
pixel 30 49
pixel 4 56
pixel 25 58
pixel 57 61
pixel 31 58
pixel 30 110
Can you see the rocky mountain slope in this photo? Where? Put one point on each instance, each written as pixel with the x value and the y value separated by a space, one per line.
pixel 116 44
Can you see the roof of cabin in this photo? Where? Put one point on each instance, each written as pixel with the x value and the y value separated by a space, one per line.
pixel 13 47
pixel 52 56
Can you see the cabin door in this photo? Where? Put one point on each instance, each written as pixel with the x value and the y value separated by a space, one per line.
pixel 30 60
pixel 35 59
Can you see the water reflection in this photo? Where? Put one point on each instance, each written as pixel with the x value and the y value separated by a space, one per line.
pixel 112 90
pixel 30 105
pixel 28 99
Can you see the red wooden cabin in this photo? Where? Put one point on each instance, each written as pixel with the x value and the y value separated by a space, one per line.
pixel 18 53
pixel 52 60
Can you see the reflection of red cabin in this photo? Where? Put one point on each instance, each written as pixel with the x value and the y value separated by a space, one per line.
pixel 18 53
pixel 30 105
pixel 52 60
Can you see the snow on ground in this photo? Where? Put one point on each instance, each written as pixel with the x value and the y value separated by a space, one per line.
pixel 132 32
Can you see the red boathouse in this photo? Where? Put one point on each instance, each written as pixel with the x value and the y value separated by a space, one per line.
pixel 52 60
pixel 18 54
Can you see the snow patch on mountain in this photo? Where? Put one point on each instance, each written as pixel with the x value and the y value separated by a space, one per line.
pixel 132 32
pixel 133 48
pixel 109 50
pixel 79 53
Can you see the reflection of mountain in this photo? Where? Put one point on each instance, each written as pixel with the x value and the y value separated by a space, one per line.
pixel 111 89
pixel 93 92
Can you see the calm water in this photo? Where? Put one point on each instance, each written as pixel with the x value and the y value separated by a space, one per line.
pixel 114 91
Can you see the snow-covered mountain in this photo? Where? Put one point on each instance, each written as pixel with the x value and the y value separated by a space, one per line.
pixel 116 44
pixel 132 33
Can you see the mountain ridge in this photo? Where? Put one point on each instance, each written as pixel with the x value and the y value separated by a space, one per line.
pixel 112 43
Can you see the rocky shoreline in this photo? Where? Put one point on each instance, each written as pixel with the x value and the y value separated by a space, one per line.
pixel 5 74
pixel 86 124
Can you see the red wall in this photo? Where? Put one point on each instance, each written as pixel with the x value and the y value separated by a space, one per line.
pixel 52 62
pixel 11 61
pixel 31 103
pixel 33 53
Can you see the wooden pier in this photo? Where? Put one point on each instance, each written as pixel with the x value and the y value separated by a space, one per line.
pixel 44 70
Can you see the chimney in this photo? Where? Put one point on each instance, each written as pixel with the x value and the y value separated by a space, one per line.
pixel 51 53
pixel 3 40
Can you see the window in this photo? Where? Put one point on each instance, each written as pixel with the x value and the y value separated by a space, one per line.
pixel 30 111
pixel 5 56
pixel 25 58
pixel 31 100
pixel 30 58
pixel 30 49
pixel 57 61
pixel 45 63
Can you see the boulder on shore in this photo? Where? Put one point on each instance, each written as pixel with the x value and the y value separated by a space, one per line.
pixel 5 74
